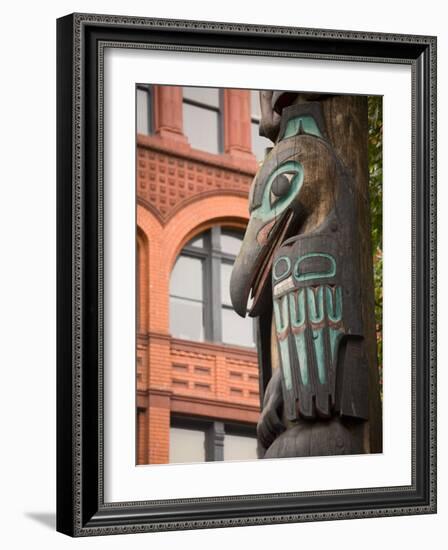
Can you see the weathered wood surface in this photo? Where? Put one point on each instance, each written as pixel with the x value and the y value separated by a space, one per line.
pixel 307 252
pixel 346 120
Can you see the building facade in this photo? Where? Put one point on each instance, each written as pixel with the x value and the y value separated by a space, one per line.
pixel 197 374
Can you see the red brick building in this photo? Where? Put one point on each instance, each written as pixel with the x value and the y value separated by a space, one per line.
pixel 197 373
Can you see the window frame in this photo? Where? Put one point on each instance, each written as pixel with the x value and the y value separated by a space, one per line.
pixel 212 256
pixel 149 90
pixel 255 119
pixel 215 431
pixel 192 252
pixel 219 110
pixel 187 423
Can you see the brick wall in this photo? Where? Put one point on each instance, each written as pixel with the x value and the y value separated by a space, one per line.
pixel 182 192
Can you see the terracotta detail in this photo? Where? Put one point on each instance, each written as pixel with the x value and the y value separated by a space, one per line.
pixel 182 192
pixel 166 181
pixel 237 129
pixel 201 407
pixel 168 113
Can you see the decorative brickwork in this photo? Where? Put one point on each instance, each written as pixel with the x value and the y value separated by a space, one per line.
pixel 165 182
pixel 182 192
pixel 214 371
pixel 189 378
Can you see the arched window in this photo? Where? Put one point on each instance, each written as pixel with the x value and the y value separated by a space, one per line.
pixel 200 306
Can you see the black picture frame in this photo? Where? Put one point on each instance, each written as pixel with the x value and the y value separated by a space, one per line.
pixel 81 510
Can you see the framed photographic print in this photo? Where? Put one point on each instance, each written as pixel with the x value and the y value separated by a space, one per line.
pixel 246 274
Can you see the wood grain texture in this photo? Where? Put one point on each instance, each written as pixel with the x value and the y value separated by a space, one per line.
pixel 331 214
pixel 347 125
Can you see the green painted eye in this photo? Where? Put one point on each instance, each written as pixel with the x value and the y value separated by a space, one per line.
pixel 280 190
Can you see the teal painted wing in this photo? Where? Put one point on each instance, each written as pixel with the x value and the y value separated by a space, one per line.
pixel 309 324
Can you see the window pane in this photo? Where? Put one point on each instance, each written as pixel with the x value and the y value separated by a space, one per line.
pixel 207 96
pixel 239 447
pixel 255 104
pixel 231 243
pixel 201 126
pixel 186 319
pixel 197 242
pixel 259 143
pixel 186 278
pixel 186 445
pixel 226 272
pixel 235 329
pixel 142 111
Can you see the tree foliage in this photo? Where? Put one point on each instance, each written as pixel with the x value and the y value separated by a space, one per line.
pixel 376 209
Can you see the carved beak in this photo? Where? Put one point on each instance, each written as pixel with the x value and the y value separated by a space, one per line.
pixel 253 264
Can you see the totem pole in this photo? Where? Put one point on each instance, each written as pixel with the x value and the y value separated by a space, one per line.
pixel 306 261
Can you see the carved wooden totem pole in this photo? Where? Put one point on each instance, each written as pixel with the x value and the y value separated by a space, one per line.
pixel 306 261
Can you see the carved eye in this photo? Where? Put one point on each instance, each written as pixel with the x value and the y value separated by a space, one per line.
pixel 281 185
pixel 279 190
